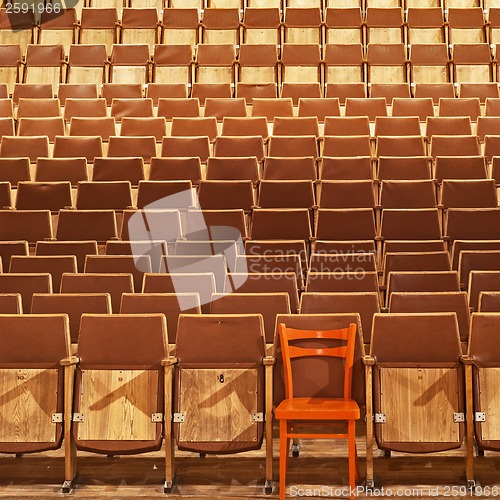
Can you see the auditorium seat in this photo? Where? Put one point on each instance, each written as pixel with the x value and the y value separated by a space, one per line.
pixel 460 107
pixel 226 195
pixel 403 146
pixel 38 107
pixel 425 25
pixel 21 147
pixel 233 168
pixel 456 167
pixel 344 25
pixel 121 108
pixel 10 68
pixel 272 263
pixel 407 194
pixel 429 64
pixel 180 25
pixel 17 30
pixel 344 63
pixel 239 146
pixel 98 26
pixel 454 145
pixel 166 194
pixel 51 196
pixel 87 63
pixel 303 25
pixel 185 147
pixel 476 260
pixel 51 127
pixel 220 107
pixel 248 126
pixel 489 302
pixel 411 168
pixel 10 303
pixel 88 147
pixel 79 249
pixel 194 126
pixel 118 169
pixel 477 193
pixel 215 63
pixel 25 284
pixel 261 26
pixel 413 224
pixel 79 225
pixel 342 282
pixel 320 108
pixel 112 91
pixel 129 64
pixel 155 249
pixel 420 107
pixel 44 64
pixel 345 224
pixel 220 26
pixel 346 194
pixel 84 108
pixel 472 63
pixel 139 25
pixel 28 225
pixel 286 194
pixel 104 195
pixel 136 146
pixel 271 108
pixel 338 169
pixel 346 146
pixel 300 63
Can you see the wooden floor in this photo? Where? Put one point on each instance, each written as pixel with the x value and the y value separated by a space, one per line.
pixel 322 465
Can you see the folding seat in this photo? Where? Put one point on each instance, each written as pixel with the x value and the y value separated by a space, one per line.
pixel 84 108
pixel 99 26
pixel 481 91
pixel 79 249
pixel 180 26
pixel 320 108
pixel 131 107
pixel 257 64
pixel 290 168
pixel 420 107
pixel 405 341
pixel 344 63
pixel 414 246
pixel 353 262
pixel 10 65
pixel 202 91
pixel 10 303
pixel 174 169
pixel 220 108
pixel 26 284
pixel 492 107
pixel 88 147
pixel 413 224
pixel 435 91
pixel 80 225
pixel 233 169
pixel 226 195
pixel 415 194
pixel 343 25
pixel 24 147
pixel 5 195
pixel 202 284
pixel 158 91
pixel 186 147
pixel 36 346
pixel 261 26
pixel 481 282
pixel 303 25
pixel 104 195
pixel 346 194
pixel 271 108
pixel 390 91
pixel 58 28
pixel 221 26
pixel 460 107
pixel 240 146
pixel 129 64
pixel 248 126
pixel 28 225
pixel 215 63
pixel 118 169
pixel 112 91
pixel 295 126
pixel 6 108
pixel 347 125
pixel 370 107
pixel 477 193
pixel 472 63
pixel 429 64
pixel 346 146
pixel 7 126
pixel 144 126
pixel 139 369
pixel 425 25
pixel 198 127
pixel 43 196
pixel 466 25
pixel 165 225
pixel 16 29
pixel 293 146
pixel 448 125
pixel 384 25
pixel 274 263
pixel 491 147
pixel 342 282
pixel 476 260
pixel 458 145
pixel 114 284
pixel 192 368
pixel 153 249
pixel 166 194
pixel 250 283
pixel 397 126
pixel 10 248
pixel 386 62
pixel 140 25
pixel 38 108
pixel 345 224
pixel 412 168
pixel 470 245
pixel 207 225
pixel 136 265
pixel 489 302
pixel 366 304
pixel 275 224
pixel 132 146
pixel 251 91
pixel 347 168
pixel 44 65
pixel 50 127
pixel 32 91
pixel 472 224
pixel 286 194
pixel 487 125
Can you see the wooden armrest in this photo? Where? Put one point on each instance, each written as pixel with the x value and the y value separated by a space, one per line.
pixel 268 360
pixel 170 361
pixel 368 360
pixel 72 360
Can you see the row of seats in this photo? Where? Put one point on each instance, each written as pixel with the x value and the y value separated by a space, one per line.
pixel 416 347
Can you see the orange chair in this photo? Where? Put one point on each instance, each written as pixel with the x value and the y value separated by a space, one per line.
pixel 294 412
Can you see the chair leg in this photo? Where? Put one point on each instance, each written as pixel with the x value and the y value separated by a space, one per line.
pixel 284 450
pixel 351 433
pixel 358 473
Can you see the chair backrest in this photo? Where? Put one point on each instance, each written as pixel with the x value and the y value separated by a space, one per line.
pixel 290 352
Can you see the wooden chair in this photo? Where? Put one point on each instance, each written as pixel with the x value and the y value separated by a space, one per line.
pixel 312 409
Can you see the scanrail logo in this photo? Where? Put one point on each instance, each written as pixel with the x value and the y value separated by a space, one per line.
pixel 209 250
pixel 23 14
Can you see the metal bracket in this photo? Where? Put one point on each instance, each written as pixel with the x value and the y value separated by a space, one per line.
pixel 379 418
pixel 480 416
pixel 78 417
pixel 458 418
pixel 178 418
pixel 257 417
pixel 157 417
pixel 57 418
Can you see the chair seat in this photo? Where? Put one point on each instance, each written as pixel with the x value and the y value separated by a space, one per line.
pixel 317 409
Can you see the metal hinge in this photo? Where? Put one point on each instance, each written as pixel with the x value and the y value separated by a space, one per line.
pixel 480 416
pixel 157 417
pixel 258 417
pixel 178 418
pixel 379 418
pixel 458 418
pixel 57 418
pixel 78 417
